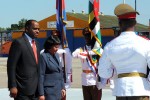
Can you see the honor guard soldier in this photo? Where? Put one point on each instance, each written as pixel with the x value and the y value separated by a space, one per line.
pixel 92 90
pixel 129 55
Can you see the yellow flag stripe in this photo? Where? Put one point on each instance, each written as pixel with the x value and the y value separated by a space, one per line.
pixel 91 16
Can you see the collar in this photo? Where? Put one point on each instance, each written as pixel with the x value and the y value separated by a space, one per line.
pixel 28 37
pixel 128 33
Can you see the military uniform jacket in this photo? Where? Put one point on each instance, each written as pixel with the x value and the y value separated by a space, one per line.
pixel 90 78
pixel 128 53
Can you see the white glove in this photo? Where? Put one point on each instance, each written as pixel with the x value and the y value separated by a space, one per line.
pixel 82 57
pixel 100 85
pixel 67 85
pixel 112 84
pixel 61 51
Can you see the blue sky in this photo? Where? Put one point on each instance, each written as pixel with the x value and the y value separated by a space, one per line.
pixel 11 11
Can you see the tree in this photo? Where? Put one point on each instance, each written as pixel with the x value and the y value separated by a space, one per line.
pixel 2 29
pixel 14 27
pixel 21 23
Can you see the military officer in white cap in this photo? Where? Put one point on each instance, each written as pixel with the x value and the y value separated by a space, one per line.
pixel 127 57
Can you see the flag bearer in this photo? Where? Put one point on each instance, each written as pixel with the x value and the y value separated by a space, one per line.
pixel 90 80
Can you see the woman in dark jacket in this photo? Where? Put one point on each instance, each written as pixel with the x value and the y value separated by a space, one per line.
pixel 51 83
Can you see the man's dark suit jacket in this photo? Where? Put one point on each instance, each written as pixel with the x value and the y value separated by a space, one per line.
pixel 22 69
pixel 51 77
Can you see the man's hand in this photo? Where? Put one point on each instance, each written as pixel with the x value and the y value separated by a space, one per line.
pixel 63 93
pixel 13 92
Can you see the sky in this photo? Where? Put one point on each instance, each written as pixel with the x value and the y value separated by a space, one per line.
pixel 12 11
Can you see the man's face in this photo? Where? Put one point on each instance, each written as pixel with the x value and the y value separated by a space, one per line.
pixel 87 37
pixel 55 33
pixel 33 30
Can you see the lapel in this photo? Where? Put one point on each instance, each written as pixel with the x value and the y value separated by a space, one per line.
pixel 58 59
pixel 29 46
pixel 50 57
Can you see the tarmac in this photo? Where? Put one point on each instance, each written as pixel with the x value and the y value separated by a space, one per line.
pixel 73 93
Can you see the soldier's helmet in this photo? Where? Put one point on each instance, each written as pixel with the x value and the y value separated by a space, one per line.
pixel 125 11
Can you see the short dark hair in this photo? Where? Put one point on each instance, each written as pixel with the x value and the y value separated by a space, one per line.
pixel 51 41
pixel 29 23
pixel 126 23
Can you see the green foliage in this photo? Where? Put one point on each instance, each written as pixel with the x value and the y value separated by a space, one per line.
pixel 14 26
pixel 20 24
pixel 2 29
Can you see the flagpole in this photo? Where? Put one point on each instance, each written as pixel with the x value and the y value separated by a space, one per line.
pixel 61 18
pixel 149 29
pixel 123 1
pixel 135 10
pixel 135 5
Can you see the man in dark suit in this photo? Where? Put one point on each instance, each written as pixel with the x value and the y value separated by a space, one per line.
pixel 22 64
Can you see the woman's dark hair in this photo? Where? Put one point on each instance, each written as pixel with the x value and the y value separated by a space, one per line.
pixel 51 41
pixel 126 23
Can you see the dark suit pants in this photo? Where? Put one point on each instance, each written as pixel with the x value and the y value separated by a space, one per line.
pixel 133 98
pixel 21 96
pixel 91 93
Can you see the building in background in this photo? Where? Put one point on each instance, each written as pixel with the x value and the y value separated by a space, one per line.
pixel 75 23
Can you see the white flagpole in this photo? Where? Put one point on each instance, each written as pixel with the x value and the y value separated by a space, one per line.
pixel 123 1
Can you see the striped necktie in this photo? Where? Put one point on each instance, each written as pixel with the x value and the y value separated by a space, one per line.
pixel 34 50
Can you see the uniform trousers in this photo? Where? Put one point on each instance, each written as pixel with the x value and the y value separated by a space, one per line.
pixel 91 93
pixel 133 98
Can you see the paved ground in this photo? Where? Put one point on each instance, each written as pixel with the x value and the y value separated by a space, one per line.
pixel 3 74
pixel 72 94
pixel 76 73
pixel 75 93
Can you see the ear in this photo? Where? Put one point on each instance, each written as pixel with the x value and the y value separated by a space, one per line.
pixel 26 29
